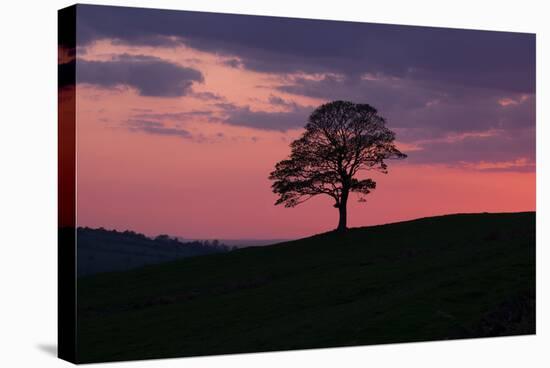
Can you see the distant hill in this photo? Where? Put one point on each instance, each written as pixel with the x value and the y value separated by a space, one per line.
pixel 445 277
pixel 242 243
pixel 101 250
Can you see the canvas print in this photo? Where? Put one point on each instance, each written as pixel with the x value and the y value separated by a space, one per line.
pixel 235 184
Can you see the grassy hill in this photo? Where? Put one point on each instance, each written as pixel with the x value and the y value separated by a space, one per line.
pixel 434 278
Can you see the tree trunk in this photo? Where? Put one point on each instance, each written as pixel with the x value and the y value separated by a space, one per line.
pixel 343 211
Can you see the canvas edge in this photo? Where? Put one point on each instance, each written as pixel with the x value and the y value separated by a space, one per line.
pixel 66 252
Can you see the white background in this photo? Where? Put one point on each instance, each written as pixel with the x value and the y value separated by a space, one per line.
pixel 28 182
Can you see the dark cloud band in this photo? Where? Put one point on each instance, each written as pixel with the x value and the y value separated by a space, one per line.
pixel 150 76
pixel 503 60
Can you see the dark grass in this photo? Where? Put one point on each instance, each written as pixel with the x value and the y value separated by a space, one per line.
pixel 436 278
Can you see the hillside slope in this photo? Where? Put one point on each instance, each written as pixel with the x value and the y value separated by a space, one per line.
pixel 434 278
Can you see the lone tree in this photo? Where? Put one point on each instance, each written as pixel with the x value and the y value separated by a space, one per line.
pixel 341 139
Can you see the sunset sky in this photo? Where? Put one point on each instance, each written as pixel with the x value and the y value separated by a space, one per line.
pixel 181 116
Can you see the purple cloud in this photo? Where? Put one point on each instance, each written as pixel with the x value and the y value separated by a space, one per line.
pixel 155 127
pixel 499 60
pixel 151 76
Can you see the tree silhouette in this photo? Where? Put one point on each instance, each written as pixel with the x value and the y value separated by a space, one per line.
pixel 341 139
